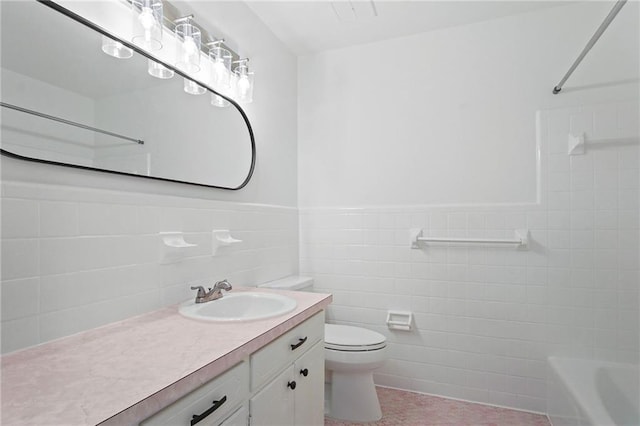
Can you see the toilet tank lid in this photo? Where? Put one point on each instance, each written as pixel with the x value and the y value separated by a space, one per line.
pixel 293 282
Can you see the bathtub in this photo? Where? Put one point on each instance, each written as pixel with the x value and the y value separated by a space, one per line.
pixel 593 393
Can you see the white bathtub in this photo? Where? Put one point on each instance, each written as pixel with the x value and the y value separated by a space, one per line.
pixel 593 393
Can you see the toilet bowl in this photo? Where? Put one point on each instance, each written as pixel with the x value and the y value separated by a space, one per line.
pixel 351 356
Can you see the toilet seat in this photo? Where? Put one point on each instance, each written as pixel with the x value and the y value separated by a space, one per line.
pixel 346 338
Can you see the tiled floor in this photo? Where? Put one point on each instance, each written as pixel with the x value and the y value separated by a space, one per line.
pixel 401 408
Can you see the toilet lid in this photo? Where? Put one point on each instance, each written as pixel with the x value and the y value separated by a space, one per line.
pixel 348 338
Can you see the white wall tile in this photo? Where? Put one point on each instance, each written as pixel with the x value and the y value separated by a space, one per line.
pixel 101 261
pixel 20 218
pixel 20 333
pixel 20 258
pixel 20 298
pixel 58 219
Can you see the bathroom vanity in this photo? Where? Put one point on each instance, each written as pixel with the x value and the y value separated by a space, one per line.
pixel 163 368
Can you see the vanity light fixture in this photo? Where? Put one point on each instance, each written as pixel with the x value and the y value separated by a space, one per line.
pixel 188 49
pixel 147 23
pixel 220 59
pixel 193 88
pixel 116 49
pixel 244 82
pixel 158 70
pixel 219 101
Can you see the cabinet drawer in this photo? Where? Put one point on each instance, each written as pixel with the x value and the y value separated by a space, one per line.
pixel 268 361
pixel 212 401
pixel 239 418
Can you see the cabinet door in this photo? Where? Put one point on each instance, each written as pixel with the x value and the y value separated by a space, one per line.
pixel 309 394
pixel 273 405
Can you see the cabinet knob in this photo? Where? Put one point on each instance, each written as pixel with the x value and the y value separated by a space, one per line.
pixel 304 372
pixel 292 384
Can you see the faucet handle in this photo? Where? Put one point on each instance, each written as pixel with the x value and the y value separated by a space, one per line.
pixel 224 285
pixel 201 291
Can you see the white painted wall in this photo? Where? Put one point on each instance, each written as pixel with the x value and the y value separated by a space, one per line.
pixel 80 249
pixel 449 116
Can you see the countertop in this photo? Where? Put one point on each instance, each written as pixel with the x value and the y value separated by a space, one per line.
pixel 123 372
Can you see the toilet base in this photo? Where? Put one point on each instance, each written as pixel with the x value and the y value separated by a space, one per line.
pixel 354 397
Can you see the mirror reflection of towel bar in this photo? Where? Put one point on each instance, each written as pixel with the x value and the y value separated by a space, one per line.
pixel 69 122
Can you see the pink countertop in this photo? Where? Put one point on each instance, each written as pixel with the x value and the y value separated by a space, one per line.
pixel 123 372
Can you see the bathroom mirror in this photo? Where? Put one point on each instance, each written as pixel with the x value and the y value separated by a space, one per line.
pixel 66 102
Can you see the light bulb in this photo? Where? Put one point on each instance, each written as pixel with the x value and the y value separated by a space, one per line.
pixel 243 85
pixel 146 18
pixel 190 47
pixel 219 72
pixel 147 23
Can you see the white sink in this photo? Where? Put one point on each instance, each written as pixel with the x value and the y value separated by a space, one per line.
pixel 244 306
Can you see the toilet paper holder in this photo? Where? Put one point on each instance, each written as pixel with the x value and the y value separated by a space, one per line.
pixel 400 320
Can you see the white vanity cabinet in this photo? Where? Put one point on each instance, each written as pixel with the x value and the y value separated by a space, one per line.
pixel 287 378
pixel 309 392
pixel 210 404
pixel 281 384
pixel 239 418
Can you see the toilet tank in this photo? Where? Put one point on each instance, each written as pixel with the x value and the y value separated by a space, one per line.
pixel 291 283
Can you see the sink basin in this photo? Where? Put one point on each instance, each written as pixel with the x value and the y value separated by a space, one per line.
pixel 245 306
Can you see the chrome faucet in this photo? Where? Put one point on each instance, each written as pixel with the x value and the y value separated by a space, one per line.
pixel 213 293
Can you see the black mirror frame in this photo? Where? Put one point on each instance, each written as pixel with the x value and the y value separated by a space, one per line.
pixel 89 24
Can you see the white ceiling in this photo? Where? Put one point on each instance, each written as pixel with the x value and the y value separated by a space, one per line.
pixel 313 26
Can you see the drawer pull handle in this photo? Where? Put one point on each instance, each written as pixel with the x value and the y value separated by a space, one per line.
pixel 297 345
pixel 304 372
pixel 216 404
pixel 292 384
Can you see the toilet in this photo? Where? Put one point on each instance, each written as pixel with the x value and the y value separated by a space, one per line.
pixel 351 355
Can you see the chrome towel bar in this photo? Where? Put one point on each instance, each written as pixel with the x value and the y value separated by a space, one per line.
pixel 521 239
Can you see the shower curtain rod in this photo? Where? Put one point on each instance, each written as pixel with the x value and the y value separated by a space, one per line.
pixel 69 122
pixel 601 29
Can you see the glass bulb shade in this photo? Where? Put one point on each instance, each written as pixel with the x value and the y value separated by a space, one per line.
pixel 147 23
pixel 220 59
pixel 219 101
pixel 116 49
pixel 188 49
pixel 243 84
pixel 193 88
pixel 158 70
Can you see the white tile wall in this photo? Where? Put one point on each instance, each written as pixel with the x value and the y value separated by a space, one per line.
pixel 487 318
pixel 73 259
